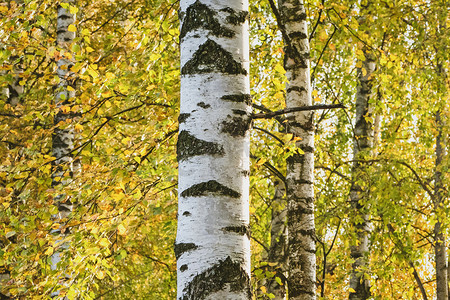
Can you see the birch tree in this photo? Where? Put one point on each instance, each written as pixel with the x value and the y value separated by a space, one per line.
pixel 300 166
pixel 63 135
pixel 212 245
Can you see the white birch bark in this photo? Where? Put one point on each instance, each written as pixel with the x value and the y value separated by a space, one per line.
pixel 362 143
pixel 440 248
pixel 278 243
pixel 300 166
pixel 212 245
pixel 63 139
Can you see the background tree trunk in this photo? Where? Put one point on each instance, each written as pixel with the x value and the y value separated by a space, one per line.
pixel 440 248
pixel 362 143
pixel 63 138
pixel 212 245
pixel 278 243
pixel 300 166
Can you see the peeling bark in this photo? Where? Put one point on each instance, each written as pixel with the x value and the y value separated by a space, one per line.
pixel 300 166
pixel 213 236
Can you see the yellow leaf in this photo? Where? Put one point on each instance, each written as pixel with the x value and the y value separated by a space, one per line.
pixel 121 229
pixel 263 289
pixel 73 10
pixel 78 127
pixel 70 89
pixel 92 73
pixel 49 251
pixel 100 274
pixel 314 93
pixel 3 9
pixel 89 49
pixel 351 290
pixel 103 242
pixel 71 28
pixel 252 210
pixel 109 75
pixel 279 69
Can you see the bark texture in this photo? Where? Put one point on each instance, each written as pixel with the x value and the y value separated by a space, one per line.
pixel 213 245
pixel 440 249
pixel 63 136
pixel 278 243
pixel 362 144
pixel 300 166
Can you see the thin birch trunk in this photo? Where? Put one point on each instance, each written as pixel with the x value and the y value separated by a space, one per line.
pixel 212 245
pixel 278 244
pixel 362 143
pixel 300 166
pixel 440 249
pixel 63 138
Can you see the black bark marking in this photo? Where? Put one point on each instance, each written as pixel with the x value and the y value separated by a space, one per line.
pixel 226 274
pixel 237 126
pixel 241 230
pixel 203 105
pixel 183 268
pixel 235 18
pixel 199 15
pixel 238 98
pixel 189 146
pixel 291 14
pixel 209 187
pixel 183 117
pixel 239 112
pixel 181 248
pixel 186 214
pixel 298 35
pixel 299 89
pixel 210 58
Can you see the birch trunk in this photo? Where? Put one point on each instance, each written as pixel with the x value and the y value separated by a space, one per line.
pixel 63 138
pixel 212 245
pixel 278 244
pixel 440 249
pixel 300 166
pixel 362 143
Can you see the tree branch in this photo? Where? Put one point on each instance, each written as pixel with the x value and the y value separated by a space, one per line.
pixel 270 115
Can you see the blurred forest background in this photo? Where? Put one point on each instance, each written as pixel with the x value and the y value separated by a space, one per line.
pixel 117 240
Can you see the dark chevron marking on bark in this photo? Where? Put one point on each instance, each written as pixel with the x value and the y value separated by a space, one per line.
pixel 298 35
pixel 183 117
pixel 245 173
pixel 291 14
pixel 239 112
pixel 213 187
pixel 210 57
pixel 238 98
pixel 241 230
pixel 237 126
pixel 299 89
pixel 189 146
pixel 180 248
pixel 203 105
pixel 186 214
pixel 298 212
pixel 235 18
pixel 226 274
pixel 199 15
pixel 297 292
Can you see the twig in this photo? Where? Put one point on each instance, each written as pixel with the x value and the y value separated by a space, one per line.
pixel 270 115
